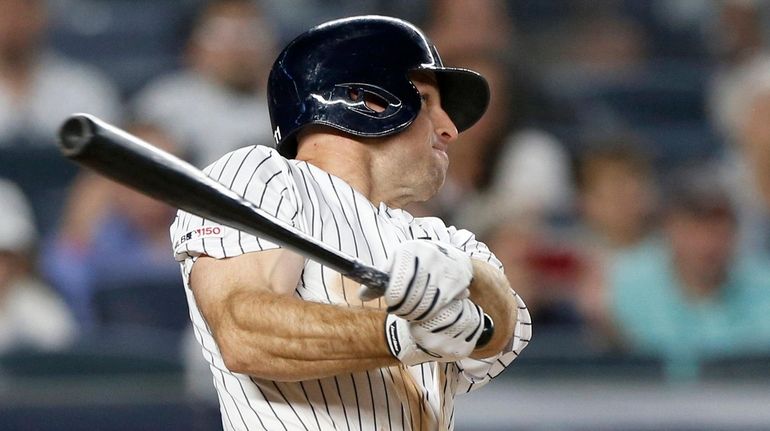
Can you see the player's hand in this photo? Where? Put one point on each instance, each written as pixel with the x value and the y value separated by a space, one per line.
pixel 425 276
pixel 449 336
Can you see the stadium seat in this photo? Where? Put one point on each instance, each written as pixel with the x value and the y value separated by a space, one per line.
pixel 151 305
pixel 44 176
pixel 131 41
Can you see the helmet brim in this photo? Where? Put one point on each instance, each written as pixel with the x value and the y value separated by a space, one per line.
pixel 464 95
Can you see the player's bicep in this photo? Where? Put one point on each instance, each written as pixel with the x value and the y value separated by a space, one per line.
pixel 214 280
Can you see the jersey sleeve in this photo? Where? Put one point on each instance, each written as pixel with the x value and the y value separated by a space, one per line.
pixel 475 373
pixel 467 242
pixel 258 174
pixel 434 228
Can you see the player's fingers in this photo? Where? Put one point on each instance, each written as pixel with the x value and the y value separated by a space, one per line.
pixel 432 300
pixel 421 299
pixel 448 321
pixel 475 331
pixel 408 281
pixel 425 276
pixel 467 319
pixel 444 333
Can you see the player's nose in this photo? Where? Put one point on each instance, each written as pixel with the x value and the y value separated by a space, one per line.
pixel 444 126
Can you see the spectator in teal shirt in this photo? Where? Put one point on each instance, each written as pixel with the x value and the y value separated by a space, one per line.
pixel 687 296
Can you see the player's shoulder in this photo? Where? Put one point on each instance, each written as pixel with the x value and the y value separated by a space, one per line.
pixel 258 173
pixel 252 158
pixel 432 227
pixel 256 150
pixel 439 230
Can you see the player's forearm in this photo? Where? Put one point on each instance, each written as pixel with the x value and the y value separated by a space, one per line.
pixel 491 291
pixel 283 338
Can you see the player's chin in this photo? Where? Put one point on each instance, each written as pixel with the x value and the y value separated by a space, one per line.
pixel 436 180
pixel 440 161
pixel 429 183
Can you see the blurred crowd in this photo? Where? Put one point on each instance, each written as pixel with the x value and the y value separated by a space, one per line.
pixel 622 172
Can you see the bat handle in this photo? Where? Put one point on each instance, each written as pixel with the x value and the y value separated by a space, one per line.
pixel 378 280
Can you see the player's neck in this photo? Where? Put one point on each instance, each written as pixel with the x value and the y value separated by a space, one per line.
pixel 353 162
pixel 344 158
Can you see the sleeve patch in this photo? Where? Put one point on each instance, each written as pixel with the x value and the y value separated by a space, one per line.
pixel 201 232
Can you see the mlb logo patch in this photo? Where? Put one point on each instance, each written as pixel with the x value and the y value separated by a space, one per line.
pixel 201 232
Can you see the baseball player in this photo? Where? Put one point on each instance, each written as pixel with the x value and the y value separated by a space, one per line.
pixel 362 111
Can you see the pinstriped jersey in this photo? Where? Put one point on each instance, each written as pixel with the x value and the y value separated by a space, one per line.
pixel 420 397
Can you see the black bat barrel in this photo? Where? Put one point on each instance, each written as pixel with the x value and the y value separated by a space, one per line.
pixel 139 165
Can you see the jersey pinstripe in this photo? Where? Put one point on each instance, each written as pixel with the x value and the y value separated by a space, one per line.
pixel 394 398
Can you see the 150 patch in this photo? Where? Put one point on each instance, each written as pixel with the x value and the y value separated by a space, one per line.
pixel 201 232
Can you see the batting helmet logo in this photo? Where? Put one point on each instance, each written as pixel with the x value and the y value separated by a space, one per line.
pixel 359 96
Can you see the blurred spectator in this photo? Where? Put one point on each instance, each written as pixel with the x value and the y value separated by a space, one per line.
pixel 490 21
pixel 541 266
pixel 737 34
pixel 506 168
pixel 597 47
pixel 110 236
pixel 564 267
pixel 500 168
pixel 745 114
pixel 616 202
pixel 218 103
pixel 737 41
pixel 688 297
pixel 31 316
pixel 606 43
pixel 39 88
pixel 616 194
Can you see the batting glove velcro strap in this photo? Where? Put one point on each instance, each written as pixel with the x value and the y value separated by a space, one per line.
pixel 425 276
pixel 449 336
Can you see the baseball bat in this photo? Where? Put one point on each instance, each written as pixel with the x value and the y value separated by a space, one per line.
pixel 116 154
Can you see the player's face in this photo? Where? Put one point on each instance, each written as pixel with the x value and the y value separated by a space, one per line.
pixel 418 155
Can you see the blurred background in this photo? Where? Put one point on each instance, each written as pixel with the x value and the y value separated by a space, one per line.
pixel 622 174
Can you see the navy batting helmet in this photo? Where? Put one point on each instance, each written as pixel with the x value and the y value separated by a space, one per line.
pixel 327 74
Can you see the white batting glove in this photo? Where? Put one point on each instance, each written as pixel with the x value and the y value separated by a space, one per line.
pixel 425 276
pixel 449 336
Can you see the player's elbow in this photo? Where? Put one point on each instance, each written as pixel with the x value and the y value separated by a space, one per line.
pixel 241 357
pixel 233 360
pixel 267 368
pixel 258 362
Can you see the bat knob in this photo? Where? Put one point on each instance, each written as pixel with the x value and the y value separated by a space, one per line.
pixel 487 332
pixel 75 133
